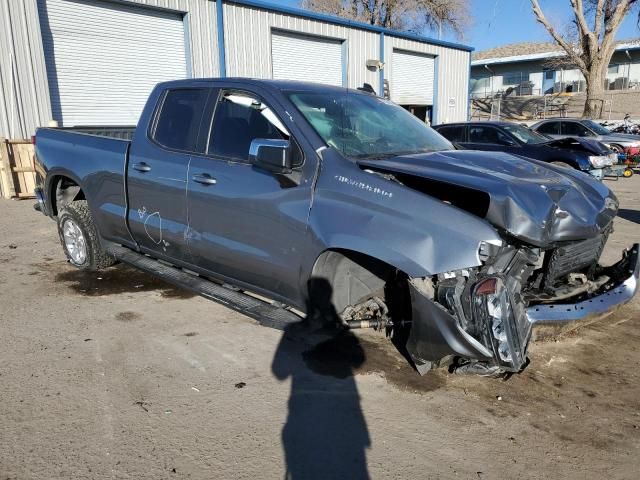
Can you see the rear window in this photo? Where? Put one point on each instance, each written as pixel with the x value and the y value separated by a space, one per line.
pixel 452 133
pixel 549 128
pixel 178 120
pixel 575 129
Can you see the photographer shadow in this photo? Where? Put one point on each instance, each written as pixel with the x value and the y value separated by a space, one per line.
pixel 325 435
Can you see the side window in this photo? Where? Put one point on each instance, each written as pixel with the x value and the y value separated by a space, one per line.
pixel 178 120
pixel 575 128
pixel 239 119
pixel 478 134
pixel 454 133
pixel 550 128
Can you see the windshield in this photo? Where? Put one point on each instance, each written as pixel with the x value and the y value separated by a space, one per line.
pixel 525 135
pixel 364 126
pixel 596 127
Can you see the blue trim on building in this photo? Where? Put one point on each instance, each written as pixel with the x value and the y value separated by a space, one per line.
pixel 222 61
pixel 469 92
pixel 539 58
pixel 345 63
pixel 187 44
pixel 434 108
pixel 382 61
pixel 347 23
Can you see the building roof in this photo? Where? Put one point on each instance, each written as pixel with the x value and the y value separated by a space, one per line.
pixel 267 5
pixel 528 51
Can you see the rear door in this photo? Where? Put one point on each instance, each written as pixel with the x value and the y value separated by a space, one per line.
pixel 453 133
pixel 575 129
pixel 486 137
pixel 157 173
pixel 247 224
pixel 550 129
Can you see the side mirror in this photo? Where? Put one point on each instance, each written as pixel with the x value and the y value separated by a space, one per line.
pixel 271 154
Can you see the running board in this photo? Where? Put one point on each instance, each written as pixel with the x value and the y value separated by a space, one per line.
pixel 267 314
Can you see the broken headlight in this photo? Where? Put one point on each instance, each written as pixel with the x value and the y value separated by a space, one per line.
pixel 493 310
pixel 599 161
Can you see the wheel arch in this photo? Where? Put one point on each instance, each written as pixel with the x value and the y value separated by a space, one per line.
pixel 352 275
pixel 63 189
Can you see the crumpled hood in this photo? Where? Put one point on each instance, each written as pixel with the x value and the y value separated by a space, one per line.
pixel 576 143
pixel 538 203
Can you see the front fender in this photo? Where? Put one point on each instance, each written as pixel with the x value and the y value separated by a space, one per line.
pixel 367 213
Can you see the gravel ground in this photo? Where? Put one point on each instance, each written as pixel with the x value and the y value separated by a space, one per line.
pixel 119 375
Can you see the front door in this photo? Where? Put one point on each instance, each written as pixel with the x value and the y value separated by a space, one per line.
pixel 548 80
pixel 157 174
pixel 247 224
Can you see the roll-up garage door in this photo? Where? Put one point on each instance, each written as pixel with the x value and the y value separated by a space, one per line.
pixel 307 58
pixel 411 78
pixel 103 58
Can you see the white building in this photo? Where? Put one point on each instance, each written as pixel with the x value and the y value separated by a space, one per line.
pixel 533 73
pixel 93 62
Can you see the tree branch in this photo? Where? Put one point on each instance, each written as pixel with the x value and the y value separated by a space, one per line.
pixel 597 21
pixel 566 46
pixel 612 23
pixel 579 14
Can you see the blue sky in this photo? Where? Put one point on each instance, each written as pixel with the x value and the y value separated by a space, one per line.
pixel 497 22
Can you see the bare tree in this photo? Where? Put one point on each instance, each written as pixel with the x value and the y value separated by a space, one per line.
pixel 591 44
pixel 409 15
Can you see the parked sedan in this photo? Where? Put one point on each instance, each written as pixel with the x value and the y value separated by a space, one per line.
pixel 582 154
pixel 573 127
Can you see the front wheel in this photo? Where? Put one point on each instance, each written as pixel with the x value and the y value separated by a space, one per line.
pixel 79 238
pixel 627 173
pixel 616 148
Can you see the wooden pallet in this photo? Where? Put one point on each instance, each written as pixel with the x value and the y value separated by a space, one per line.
pixel 17 169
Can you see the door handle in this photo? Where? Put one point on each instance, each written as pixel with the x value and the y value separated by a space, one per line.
pixel 204 178
pixel 141 167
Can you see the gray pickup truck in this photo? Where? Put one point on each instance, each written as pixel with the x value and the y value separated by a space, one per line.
pixel 280 197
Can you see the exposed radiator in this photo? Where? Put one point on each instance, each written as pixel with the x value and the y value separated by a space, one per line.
pixel 572 257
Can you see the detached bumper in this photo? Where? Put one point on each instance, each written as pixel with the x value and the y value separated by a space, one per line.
pixel 553 319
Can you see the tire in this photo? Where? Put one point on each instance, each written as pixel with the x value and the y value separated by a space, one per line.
pixel 561 164
pixel 627 173
pixel 616 148
pixel 79 238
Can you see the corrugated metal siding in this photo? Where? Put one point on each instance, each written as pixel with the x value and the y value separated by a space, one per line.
pixel 28 103
pixel 452 76
pixel 247 34
pixel 201 17
pixel 24 92
pixel 412 78
pixel 103 59
pixel 296 57
pixel 248 42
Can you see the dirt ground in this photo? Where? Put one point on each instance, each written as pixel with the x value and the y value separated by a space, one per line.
pixel 119 375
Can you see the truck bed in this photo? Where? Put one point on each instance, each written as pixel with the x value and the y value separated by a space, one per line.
pixel 117 132
pixel 95 161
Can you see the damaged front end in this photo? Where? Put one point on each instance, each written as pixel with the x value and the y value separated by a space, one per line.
pixel 554 225
pixel 474 319
pixel 481 320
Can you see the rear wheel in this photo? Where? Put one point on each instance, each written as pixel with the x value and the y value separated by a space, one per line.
pixel 79 238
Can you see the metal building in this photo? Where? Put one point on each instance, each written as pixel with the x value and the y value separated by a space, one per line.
pixel 93 62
